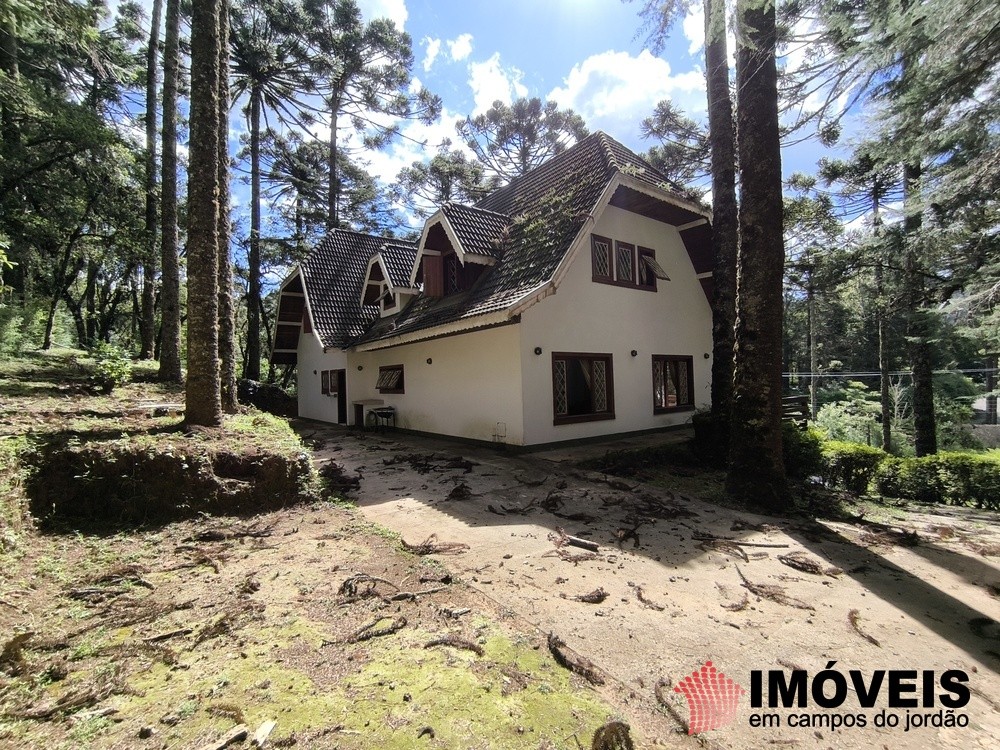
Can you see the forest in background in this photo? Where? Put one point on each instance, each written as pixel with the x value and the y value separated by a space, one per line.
pixel 887 268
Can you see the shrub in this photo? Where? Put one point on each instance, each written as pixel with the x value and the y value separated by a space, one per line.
pixel 950 478
pixel 850 465
pixel 803 451
pixel 112 367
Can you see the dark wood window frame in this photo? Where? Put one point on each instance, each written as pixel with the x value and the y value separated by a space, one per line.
pixel 596 253
pixel 387 383
pixel 642 269
pixel 674 362
pixel 324 378
pixel 620 276
pixel 605 247
pixel 609 387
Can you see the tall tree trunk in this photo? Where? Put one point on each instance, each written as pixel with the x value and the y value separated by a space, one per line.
pixel 9 64
pixel 756 467
pixel 813 353
pixel 252 369
pixel 147 323
pixel 725 226
pixel 170 346
pixel 918 322
pixel 884 385
pixel 203 400
pixel 227 316
pixel 333 189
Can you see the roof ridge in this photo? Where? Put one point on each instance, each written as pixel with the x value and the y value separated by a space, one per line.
pixel 475 208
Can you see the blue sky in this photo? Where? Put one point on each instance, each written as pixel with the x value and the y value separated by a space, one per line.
pixel 588 55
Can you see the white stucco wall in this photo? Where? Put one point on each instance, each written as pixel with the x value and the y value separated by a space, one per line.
pixel 472 383
pixel 313 404
pixel 588 317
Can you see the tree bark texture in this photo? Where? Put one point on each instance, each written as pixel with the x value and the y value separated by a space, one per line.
pixel 227 314
pixel 147 319
pixel 203 401
pixel 170 335
pixel 724 208
pixel 919 326
pixel 756 467
pixel 252 369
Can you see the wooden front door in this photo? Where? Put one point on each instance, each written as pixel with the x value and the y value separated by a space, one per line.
pixel 341 376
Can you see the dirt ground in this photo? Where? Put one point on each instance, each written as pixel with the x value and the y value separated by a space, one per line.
pixel 681 581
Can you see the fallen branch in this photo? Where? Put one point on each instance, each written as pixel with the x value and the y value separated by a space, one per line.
pixel 641 596
pixel 572 661
pixel 561 538
pixel 725 546
pixel 367 632
pixel 660 691
pixel 774 593
pixel 236 734
pixel 801 561
pixel 852 617
pixel 596 596
pixel 431 547
pixel 702 537
pixel 168 636
pixel 455 642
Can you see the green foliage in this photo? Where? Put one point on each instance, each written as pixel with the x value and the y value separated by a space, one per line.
pixel 112 367
pixel 803 451
pixel 851 417
pixel 850 465
pixel 513 139
pixel 947 478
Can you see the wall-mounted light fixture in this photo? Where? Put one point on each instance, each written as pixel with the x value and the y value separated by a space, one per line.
pixel 635 353
pixel 430 361
pixel 538 350
pixel 360 368
pixel 707 355
pixel 314 372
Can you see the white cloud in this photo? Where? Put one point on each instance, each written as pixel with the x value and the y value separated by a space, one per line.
pixel 394 10
pixel 461 47
pixel 491 82
pixel 694 28
pixel 433 48
pixel 613 91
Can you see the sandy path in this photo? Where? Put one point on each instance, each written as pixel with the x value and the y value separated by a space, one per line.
pixel 928 606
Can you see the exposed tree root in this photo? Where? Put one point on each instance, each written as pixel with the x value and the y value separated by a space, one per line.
pixel 369 631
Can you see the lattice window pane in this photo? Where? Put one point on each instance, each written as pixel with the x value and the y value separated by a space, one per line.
pixel 559 386
pixel 602 259
pixel 451 269
pixel 623 261
pixel 683 387
pixel 600 385
pixel 389 379
pixel 659 391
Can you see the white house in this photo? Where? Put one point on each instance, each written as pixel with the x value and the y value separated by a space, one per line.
pixel 571 303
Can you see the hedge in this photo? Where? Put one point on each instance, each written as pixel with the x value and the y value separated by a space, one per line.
pixel 948 478
pixel 850 465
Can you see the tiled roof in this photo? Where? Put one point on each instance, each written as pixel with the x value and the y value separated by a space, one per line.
pixel 477 230
pixel 549 205
pixel 547 208
pixel 334 272
pixel 399 257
